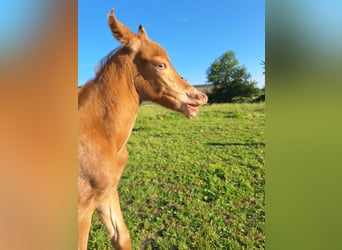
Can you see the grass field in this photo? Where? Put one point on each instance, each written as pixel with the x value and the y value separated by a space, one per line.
pixel 194 184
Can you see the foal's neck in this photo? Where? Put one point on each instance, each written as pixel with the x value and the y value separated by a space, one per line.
pixel 119 100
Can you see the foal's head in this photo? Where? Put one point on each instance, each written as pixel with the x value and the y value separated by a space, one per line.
pixel 156 79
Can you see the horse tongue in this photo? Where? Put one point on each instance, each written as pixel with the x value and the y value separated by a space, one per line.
pixel 194 105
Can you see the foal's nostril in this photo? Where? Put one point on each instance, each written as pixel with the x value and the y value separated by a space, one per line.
pixel 201 96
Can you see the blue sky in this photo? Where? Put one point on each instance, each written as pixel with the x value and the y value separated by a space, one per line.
pixel 193 32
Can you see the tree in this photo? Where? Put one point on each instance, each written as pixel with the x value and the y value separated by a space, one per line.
pixel 229 79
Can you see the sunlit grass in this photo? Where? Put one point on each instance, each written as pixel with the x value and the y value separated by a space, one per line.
pixel 194 184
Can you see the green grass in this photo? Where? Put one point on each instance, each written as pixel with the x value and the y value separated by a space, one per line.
pixel 194 184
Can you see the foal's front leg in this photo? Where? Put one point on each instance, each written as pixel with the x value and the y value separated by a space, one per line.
pixel 84 220
pixel 111 215
pixel 86 207
pixel 110 211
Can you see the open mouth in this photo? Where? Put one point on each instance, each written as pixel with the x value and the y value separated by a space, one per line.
pixel 193 106
pixel 193 101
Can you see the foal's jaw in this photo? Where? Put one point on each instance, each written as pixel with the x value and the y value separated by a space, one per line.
pixel 186 101
pixel 178 95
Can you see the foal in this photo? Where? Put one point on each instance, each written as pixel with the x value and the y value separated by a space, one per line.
pixel 140 70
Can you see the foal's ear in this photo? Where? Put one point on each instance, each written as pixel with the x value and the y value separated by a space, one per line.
pixel 120 31
pixel 142 33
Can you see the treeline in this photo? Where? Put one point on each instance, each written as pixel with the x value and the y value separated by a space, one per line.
pixel 231 82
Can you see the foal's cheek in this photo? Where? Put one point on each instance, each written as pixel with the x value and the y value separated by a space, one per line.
pixel 145 69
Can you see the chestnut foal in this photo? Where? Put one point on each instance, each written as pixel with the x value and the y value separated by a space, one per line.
pixel 140 70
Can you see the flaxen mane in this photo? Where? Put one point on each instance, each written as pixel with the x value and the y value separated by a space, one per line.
pixel 102 63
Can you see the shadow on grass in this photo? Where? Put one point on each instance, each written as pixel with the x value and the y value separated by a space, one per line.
pixel 227 144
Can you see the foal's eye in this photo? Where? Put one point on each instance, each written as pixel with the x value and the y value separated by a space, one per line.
pixel 161 66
